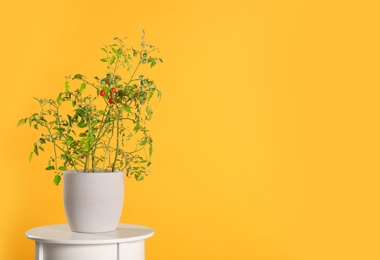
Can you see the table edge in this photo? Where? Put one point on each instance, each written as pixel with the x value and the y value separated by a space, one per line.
pixel 91 242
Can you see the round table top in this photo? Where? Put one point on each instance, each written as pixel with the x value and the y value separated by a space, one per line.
pixel 61 234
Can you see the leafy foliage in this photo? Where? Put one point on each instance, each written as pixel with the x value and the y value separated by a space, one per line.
pixel 114 137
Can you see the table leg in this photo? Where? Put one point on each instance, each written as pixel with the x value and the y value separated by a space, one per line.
pixel 39 251
pixel 133 250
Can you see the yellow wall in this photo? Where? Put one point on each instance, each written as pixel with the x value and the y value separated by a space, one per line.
pixel 267 137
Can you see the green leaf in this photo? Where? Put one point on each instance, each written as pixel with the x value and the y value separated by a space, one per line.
pixel 104 49
pixel 80 112
pixel 127 108
pixel 70 119
pixel 22 121
pixel 150 150
pixel 149 112
pixel 87 145
pixel 57 179
pixel 62 168
pixel 49 168
pixel 143 142
pixel 35 149
pixel 159 95
pixel 151 91
pixel 67 85
pixel 138 176
pixel 137 127
pixel 82 87
pixel 152 61
pixel 103 60
pixel 82 125
pixel 59 99
pixel 142 98
pixel 30 156
pixel 78 76
pixel 112 60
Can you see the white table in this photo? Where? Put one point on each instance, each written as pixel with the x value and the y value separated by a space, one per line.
pixel 58 242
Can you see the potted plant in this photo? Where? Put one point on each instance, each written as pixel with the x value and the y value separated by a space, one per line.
pixel 97 133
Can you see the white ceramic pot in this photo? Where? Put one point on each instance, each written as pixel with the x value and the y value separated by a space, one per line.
pixel 93 201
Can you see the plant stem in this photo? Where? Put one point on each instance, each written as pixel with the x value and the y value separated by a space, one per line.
pixel 54 147
pixel 101 133
pixel 89 133
pixel 134 72
pixel 108 145
pixel 117 138
pixel 93 150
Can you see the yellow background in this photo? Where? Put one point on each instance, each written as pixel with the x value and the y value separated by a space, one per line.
pixel 266 139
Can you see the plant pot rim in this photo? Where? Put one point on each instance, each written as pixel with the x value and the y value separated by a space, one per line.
pixel 96 172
